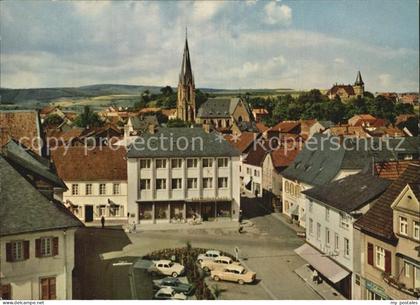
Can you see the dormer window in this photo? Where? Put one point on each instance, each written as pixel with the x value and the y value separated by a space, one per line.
pixel 403 226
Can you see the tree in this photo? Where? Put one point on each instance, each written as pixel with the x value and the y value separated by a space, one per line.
pixel 167 90
pixel 88 119
pixel 336 111
pixel 53 120
pixel 140 104
pixel 200 98
pixel 177 123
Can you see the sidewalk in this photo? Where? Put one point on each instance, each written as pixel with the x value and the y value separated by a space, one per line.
pixel 284 219
pixel 223 224
pixel 322 289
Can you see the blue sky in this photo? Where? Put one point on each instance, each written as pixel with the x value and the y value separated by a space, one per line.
pixel 235 44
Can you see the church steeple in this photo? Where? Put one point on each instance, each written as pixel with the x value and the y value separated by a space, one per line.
pixel 359 86
pixel 359 80
pixel 185 107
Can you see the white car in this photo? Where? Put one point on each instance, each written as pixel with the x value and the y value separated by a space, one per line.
pixel 209 255
pixel 168 293
pixel 219 263
pixel 167 267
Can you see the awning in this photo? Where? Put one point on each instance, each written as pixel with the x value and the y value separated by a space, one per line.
pixel 324 265
pixel 247 182
pixel 71 204
pixel 295 210
pixel 112 203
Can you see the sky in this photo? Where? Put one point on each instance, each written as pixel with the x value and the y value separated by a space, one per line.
pixel 234 44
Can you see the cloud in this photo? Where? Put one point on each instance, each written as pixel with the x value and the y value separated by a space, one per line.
pixel 250 2
pixel 91 8
pixel 278 13
pixel 206 10
pixel 385 79
pixel 339 60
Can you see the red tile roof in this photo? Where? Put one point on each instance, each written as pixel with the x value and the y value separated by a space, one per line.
pixel 261 127
pixel 23 126
pixel 378 221
pixel 78 163
pixel 286 127
pixel 393 169
pixel 256 155
pixel 284 156
pixel 243 141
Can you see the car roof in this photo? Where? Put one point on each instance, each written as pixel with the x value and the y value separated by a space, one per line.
pixel 235 267
pixel 224 257
pixel 166 290
pixel 163 261
pixel 213 251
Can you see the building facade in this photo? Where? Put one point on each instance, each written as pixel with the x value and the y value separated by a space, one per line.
pixel 178 185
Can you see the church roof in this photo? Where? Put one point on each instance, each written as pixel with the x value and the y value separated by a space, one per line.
pixel 186 75
pixel 359 80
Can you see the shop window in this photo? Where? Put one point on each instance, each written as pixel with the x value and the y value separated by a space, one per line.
pixel 146 211
pixel 223 209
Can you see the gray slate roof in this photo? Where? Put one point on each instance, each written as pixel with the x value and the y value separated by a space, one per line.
pixel 200 144
pixel 23 209
pixel 142 123
pixel 316 166
pixel 220 108
pixel 32 162
pixel 350 193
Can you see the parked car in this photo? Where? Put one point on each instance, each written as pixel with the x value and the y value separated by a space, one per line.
pixel 219 263
pixel 169 294
pixel 209 255
pixel 234 273
pixel 175 284
pixel 167 267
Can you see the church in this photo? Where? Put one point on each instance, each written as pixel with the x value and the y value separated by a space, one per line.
pixel 346 92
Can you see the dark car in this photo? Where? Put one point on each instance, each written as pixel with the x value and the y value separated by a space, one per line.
pixel 175 284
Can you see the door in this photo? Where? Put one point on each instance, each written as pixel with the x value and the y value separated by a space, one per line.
pixel 88 213
pixel 48 288
pixel 208 211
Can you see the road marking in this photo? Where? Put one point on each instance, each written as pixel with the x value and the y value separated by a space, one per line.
pixel 272 296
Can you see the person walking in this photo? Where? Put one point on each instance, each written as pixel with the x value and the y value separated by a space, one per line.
pixel 103 221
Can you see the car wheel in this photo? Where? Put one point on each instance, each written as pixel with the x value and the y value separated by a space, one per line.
pixel 200 261
pixel 174 274
pixel 240 282
pixel 216 278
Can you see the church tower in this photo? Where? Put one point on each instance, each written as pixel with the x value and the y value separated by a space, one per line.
pixel 185 106
pixel 359 86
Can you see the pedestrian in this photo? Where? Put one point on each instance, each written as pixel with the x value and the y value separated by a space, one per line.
pixel 103 221
pixel 134 227
pixel 315 276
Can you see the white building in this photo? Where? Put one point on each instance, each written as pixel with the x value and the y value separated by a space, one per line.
pixel 37 241
pixel 330 213
pixel 177 174
pixel 96 180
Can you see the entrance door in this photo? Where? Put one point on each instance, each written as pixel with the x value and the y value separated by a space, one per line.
pixel 88 213
pixel 207 211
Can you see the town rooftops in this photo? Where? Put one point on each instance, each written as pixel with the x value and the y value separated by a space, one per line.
pixel 242 141
pixel 287 127
pixel 350 193
pixel 23 209
pixel 23 126
pixel 80 163
pixel 181 142
pixel 391 170
pixel 378 221
pixel 323 157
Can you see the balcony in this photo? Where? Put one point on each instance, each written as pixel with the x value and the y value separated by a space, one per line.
pixel 393 282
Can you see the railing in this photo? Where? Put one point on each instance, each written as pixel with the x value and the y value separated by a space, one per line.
pixel 393 282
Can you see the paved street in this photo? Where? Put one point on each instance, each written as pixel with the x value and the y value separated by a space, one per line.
pixel 266 248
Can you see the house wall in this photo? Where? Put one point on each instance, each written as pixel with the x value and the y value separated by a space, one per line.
pixel 255 173
pixel 24 276
pixel 241 112
pixel 292 196
pixel 96 200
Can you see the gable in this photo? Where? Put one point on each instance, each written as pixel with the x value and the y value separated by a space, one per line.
pixel 406 201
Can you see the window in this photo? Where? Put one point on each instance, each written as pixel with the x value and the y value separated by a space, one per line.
pixel 6 292
pixel 207 183
pixel 192 183
pixel 46 246
pixel 297 190
pixel 192 163
pixel 75 189
pixel 160 184
pixel 144 184
pixel 102 189
pixel 48 288
pixel 116 188
pixel 344 221
pixel 207 162
pixel 380 258
pixel 222 162
pixel 115 211
pixel 160 163
pixel 176 163
pixel 88 189
pixel 286 187
pixel 311 206
pixel 17 251
pixel 407 269
pixel 416 230
pixel 373 296
pixel 346 247
pixel 311 226
pixel 222 182
pixel 101 210
pixel 417 277
pixel 403 226
pixel 176 183
pixel 144 163
pixel 327 236
pixel 327 213
pixel 318 231
pixel 336 241
pixel 248 171
pixel 256 173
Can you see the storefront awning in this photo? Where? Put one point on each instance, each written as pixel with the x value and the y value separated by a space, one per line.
pixel 324 265
pixel 112 203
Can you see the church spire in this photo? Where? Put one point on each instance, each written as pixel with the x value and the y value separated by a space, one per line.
pixel 186 75
pixel 359 80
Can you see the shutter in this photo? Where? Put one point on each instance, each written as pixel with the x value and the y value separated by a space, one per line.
pixel 44 289
pixel 9 257
pixel 52 288
pixel 6 292
pixel 370 254
pixel 55 246
pixel 38 247
pixel 26 249
pixel 388 261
